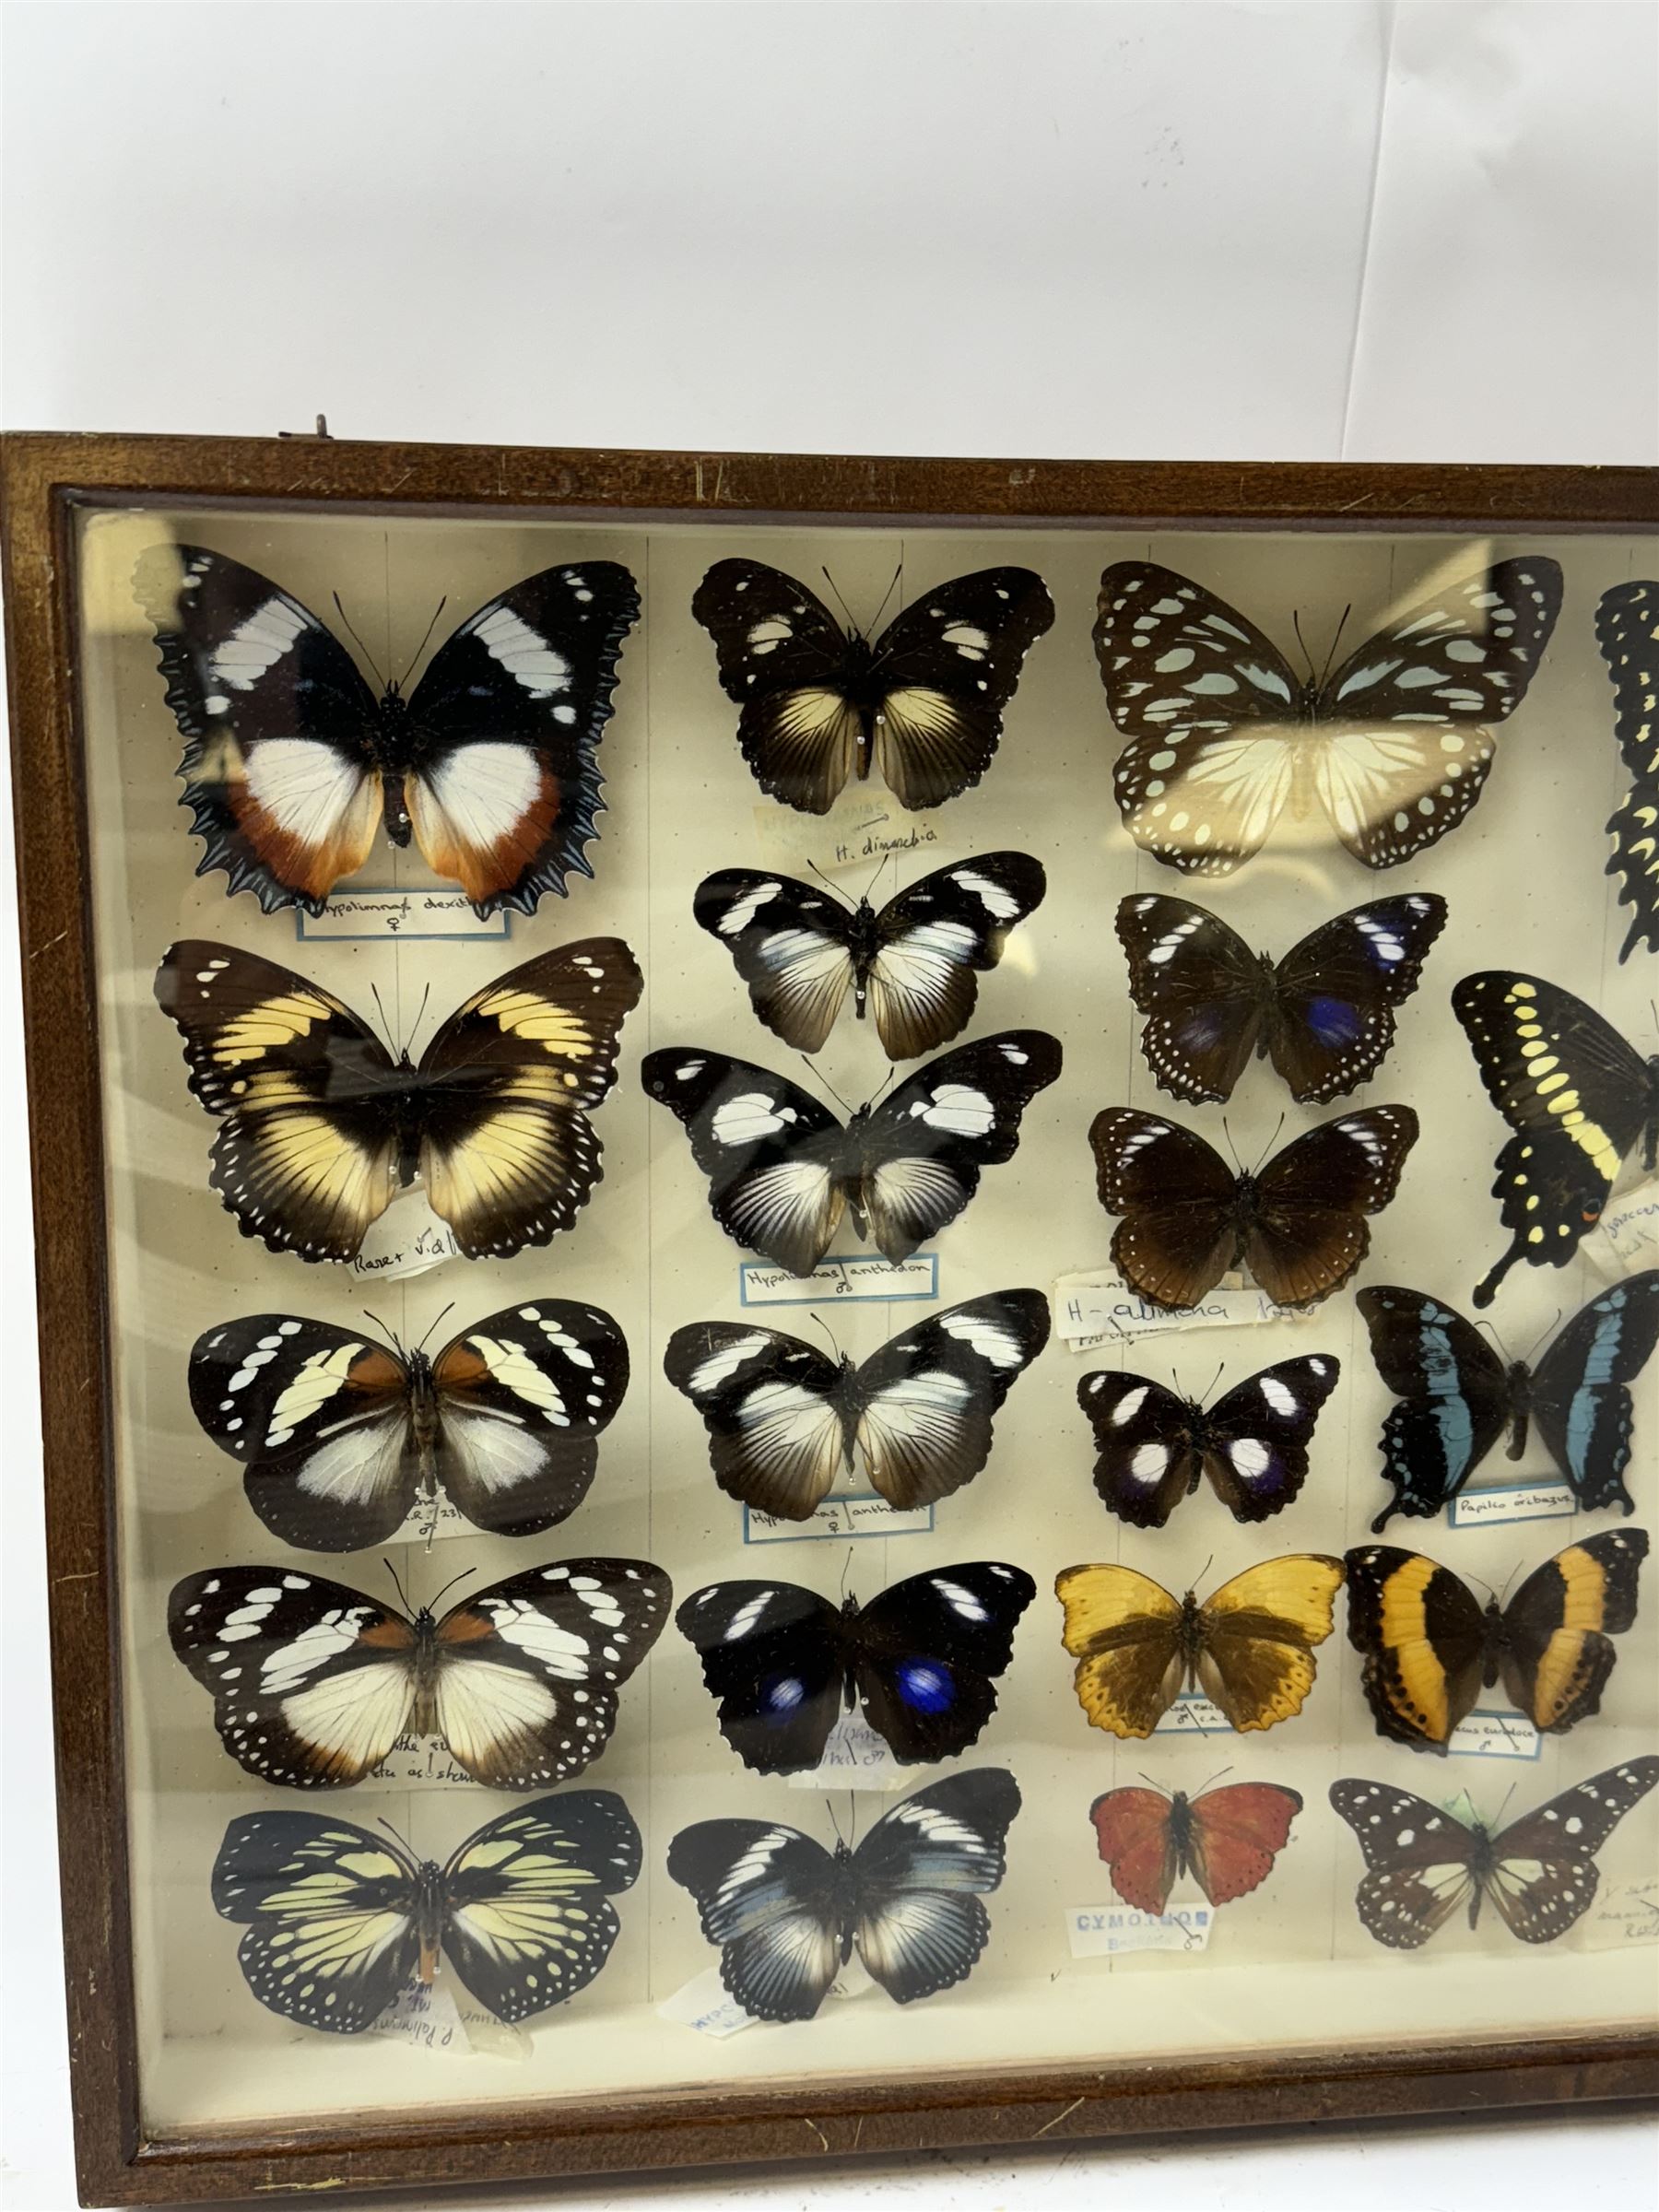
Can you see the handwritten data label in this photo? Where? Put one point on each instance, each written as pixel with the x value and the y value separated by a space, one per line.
pixel 423 1761
pixel 1095 1309
pixel 706 2005
pixel 858 833
pixel 1625 1914
pixel 1193 1715
pixel 1629 1232
pixel 440 2015
pixel 855 1758
pixel 429 1520
pixel 406 1239
pixel 863 1514
pixel 1108 1930
pixel 394 913
pixel 1494 1736
pixel 1542 1500
pixel 760 1284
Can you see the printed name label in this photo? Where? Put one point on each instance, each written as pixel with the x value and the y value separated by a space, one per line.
pixel 1513 1501
pixel 1108 1930
pixel 1098 1310
pixel 408 1239
pixel 865 1514
pixel 1193 1715
pixel 855 1758
pixel 1495 1736
pixel 760 1284
pixel 374 913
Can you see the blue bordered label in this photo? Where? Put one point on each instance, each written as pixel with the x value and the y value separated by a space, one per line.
pixel 838 1520
pixel 1542 1500
pixel 378 911
pixel 841 1281
pixel 1193 1714
pixel 1495 1735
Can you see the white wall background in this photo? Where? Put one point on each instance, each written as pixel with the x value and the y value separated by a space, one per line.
pixel 1180 228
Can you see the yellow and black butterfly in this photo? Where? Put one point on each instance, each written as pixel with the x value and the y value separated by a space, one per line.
pixel 320 1127
pixel 1431 1647
pixel 1248 1647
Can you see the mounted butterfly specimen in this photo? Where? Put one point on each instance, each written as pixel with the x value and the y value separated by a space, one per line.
pixel 1297 1224
pixel 1430 1646
pixel 786 1423
pixel 923 703
pixel 314 1683
pixel 1227 1839
pixel 782 1664
pixel 912 964
pixel 1325 1014
pixel 1249 1647
pixel 782 1170
pixel 1422 1864
pixel 1627 630
pixel 1577 1097
pixel 1153 1447
pixel 787 1914
pixel 1391 746
pixel 341 1438
pixel 292 761
pixel 320 1127
pixel 1457 1396
pixel 339 1918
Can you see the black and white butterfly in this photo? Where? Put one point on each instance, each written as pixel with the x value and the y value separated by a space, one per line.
pixel 782 1664
pixel 1423 1865
pixel 1297 1224
pixel 1576 1095
pixel 787 1914
pixel 339 1918
pixel 923 703
pixel 783 1170
pixel 1457 1396
pixel 341 1438
pixel 1153 1447
pixel 292 761
pixel 1223 735
pixel 320 1127
pixel 1627 628
pixel 1324 1014
pixel 313 1683
pixel 786 1423
pixel 913 964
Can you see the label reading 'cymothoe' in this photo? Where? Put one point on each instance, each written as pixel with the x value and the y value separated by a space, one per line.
pixel 855 1758
pixel 1093 1312
pixel 389 913
pixel 1543 1500
pixel 1494 1735
pixel 407 1239
pixel 1108 1931
pixel 840 1281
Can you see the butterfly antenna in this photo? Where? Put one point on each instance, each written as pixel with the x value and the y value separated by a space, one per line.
pixel 425 641
pixel 403 1597
pixel 346 618
pixel 846 1570
pixel 464 1574
pixel 1498 1817
pixel 828 1803
pixel 379 1007
pixel 1214 1778
pixel 829 886
pixel 829 1331
pixel 422 1345
pixel 825 1083
pixel 892 587
pixel 1221 1370
pixel 390 1334
pixel 401 1841
pixel 1227 1133
pixel 1267 1147
pixel 853 627
pixel 1336 636
pixel 1204 1571
pixel 420 1016
pixel 1302 642
pixel 1549 1331
pixel 1151 1785
pixel 893 856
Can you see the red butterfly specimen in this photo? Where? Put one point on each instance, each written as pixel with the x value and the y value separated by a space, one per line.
pixel 1227 1839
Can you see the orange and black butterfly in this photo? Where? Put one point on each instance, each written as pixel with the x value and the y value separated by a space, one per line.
pixel 1227 1839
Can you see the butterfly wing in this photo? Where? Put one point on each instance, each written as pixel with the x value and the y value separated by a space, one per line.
pixel 772 1405
pixel 319 1419
pixel 1258 1633
pixel 1209 709
pixel 924 1402
pixel 918 1878
pixel 1201 988
pixel 521 1399
pixel 1135 1838
pixel 1124 1630
pixel 1334 994
pixel 783 658
pixel 1575 1094
pixel 933 939
pixel 305 1155
pixel 508 1154
pixel 1581 1393
pixel 527 1916
pixel 1418 1861
pixel 1454 1395
pixel 1423 1642
pixel 503 776
pixel 766 1895
pixel 279 769
pixel 946 669
pixel 771 1154
pixel 1308 1233
pixel 1627 630
pixel 1179 1200
pixel 1235 1835
pixel 1144 1454
pixel 923 1150
pixel 1544 1876
pixel 312 1683
pixel 331 1914
pixel 528 1670
pixel 1557 1650
pixel 1402 753
pixel 791 945
pixel 774 1663
pixel 927 1652
pixel 1255 1441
